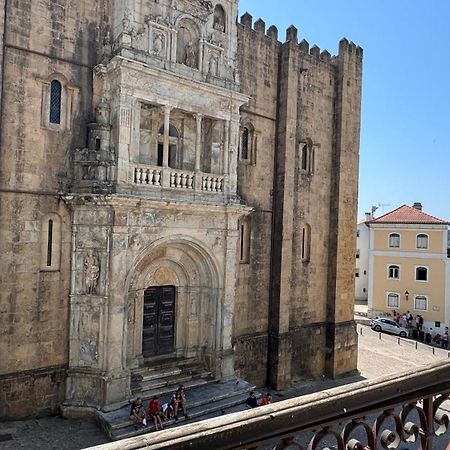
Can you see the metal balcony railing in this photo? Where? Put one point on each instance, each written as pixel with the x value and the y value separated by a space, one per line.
pixel 368 415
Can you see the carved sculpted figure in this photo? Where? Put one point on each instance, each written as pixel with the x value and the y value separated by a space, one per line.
pixel 191 55
pixel 158 44
pixel 219 23
pixel 213 64
pixel 91 272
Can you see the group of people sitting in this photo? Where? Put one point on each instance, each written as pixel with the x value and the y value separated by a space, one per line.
pixel 252 401
pixel 159 412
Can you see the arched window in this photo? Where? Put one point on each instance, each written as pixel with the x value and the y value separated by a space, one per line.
pixel 219 18
pixel 394 240
pixel 306 242
pixel 307 157
pixel 244 240
pixel 394 272
pixel 422 241
pixel 393 300
pixel 247 144
pixel 244 143
pixel 50 242
pixel 55 102
pixel 421 274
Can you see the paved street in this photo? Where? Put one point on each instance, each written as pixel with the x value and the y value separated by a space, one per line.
pixel 377 357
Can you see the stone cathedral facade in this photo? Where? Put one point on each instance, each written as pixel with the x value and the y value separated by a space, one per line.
pixel 173 183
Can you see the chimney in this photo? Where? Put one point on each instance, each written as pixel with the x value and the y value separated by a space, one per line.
pixel 369 217
pixel 418 206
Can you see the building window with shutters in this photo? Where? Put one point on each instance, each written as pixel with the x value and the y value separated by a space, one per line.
pixel 421 303
pixel 394 240
pixel 394 272
pixel 393 300
pixel 422 241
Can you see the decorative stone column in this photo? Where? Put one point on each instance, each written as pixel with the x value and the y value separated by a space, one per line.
pixel 198 141
pixel 226 147
pixel 167 110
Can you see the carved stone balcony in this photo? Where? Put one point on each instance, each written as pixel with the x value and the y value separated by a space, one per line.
pixel 402 411
pixel 156 178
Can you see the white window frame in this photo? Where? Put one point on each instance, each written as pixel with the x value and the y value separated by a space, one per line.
pixel 422 296
pixel 415 273
pixel 399 240
pixel 387 299
pixel 417 241
pixel 388 271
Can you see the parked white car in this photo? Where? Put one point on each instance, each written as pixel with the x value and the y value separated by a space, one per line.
pixel 388 325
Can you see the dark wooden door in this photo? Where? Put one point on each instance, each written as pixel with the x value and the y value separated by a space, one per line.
pixel 158 335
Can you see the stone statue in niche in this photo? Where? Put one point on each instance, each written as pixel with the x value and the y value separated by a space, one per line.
pixel 91 272
pixel 219 23
pixel 158 44
pixel 191 55
pixel 213 66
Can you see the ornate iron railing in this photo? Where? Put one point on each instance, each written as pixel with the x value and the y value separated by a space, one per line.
pixel 383 413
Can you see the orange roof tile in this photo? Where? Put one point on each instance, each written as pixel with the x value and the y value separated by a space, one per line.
pixel 408 214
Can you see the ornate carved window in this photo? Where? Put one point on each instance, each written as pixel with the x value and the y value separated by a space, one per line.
pixel 50 242
pixel 219 18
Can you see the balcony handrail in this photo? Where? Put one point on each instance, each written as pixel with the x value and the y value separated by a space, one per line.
pixel 298 415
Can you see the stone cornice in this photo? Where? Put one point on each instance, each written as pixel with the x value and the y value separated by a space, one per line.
pixel 127 202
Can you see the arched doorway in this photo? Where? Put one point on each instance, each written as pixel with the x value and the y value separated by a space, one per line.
pixel 174 299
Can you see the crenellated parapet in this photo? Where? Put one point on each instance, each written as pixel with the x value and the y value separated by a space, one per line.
pixel 258 29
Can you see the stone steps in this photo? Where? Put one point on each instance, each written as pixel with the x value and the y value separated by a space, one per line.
pixel 209 398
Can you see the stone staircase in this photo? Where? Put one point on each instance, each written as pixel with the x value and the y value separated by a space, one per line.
pixel 206 396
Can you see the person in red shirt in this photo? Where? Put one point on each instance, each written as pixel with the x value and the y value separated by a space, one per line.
pixel 154 413
pixel 266 400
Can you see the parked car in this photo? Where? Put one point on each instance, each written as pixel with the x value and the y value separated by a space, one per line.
pixel 388 325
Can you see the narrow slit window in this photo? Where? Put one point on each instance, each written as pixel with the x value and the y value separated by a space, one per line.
pixel 245 142
pixel 55 102
pixel 242 255
pixel 49 242
pixel 97 144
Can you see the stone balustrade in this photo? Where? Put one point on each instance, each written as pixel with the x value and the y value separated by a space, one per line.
pixel 147 175
pixel 178 179
pixel 410 408
pixel 181 179
pixel 212 183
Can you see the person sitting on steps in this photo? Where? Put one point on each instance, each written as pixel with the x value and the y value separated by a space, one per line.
pixel 137 413
pixel 179 402
pixel 266 400
pixel 251 401
pixel 154 413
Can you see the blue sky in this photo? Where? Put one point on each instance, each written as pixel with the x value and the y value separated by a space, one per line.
pixel 405 146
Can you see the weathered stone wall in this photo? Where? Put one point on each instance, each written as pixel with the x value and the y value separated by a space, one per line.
pixel 258 68
pixel 45 40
